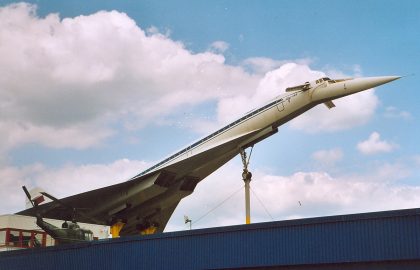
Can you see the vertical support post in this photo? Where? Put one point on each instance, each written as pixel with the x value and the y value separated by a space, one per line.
pixel 246 176
pixel 247 203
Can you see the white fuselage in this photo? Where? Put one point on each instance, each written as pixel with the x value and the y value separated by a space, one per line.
pixel 280 110
pixel 151 196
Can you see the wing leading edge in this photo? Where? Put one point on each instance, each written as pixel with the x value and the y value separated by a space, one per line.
pixel 150 198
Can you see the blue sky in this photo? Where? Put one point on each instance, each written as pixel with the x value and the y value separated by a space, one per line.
pixel 92 100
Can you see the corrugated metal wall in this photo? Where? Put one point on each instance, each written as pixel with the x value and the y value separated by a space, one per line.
pixel 381 237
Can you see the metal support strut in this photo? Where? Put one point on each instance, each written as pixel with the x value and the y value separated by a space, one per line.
pixel 246 176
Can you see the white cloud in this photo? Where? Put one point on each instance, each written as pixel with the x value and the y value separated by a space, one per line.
pixel 80 75
pixel 350 111
pixel 262 65
pixel 12 179
pixel 328 157
pixel 77 77
pixel 391 172
pixel 319 194
pixel 79 136
pixel 71 179
pixel 270 86
pixel 392 112
pixel 374 145
pixel 219 46
pixel 204 126
pixel 357 70
pixel 63 181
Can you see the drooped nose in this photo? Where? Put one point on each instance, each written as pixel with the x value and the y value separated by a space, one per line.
pixel 342 88
pixel 360 84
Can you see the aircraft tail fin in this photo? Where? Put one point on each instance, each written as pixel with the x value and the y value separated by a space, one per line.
pixel 36 197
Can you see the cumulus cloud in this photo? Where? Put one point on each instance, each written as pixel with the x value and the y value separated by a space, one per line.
pixel 319 193
pixel 76 77
pixel 301 194
pixel 219 46
pixel 271 85
pixel 393 112
pixel 79 75
pixel 374 145
pixel 357 70
pixel 66 180
pixel 63 181
pixel 79 136
pixel 12 179
pixel 263 65
pixel 350 111
pixel 328 157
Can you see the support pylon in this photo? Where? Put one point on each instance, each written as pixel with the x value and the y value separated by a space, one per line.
pixel 246 176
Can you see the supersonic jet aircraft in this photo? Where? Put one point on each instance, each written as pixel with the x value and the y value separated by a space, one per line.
pixel 144 203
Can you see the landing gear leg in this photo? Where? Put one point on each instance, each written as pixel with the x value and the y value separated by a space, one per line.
pixel 116 228
pixel 246 176
pixel 147 228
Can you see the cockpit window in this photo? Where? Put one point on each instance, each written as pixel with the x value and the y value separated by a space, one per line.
pixel 325 79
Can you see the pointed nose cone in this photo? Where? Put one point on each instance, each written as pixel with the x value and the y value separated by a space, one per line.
pixel 360 84
pixel 376 81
